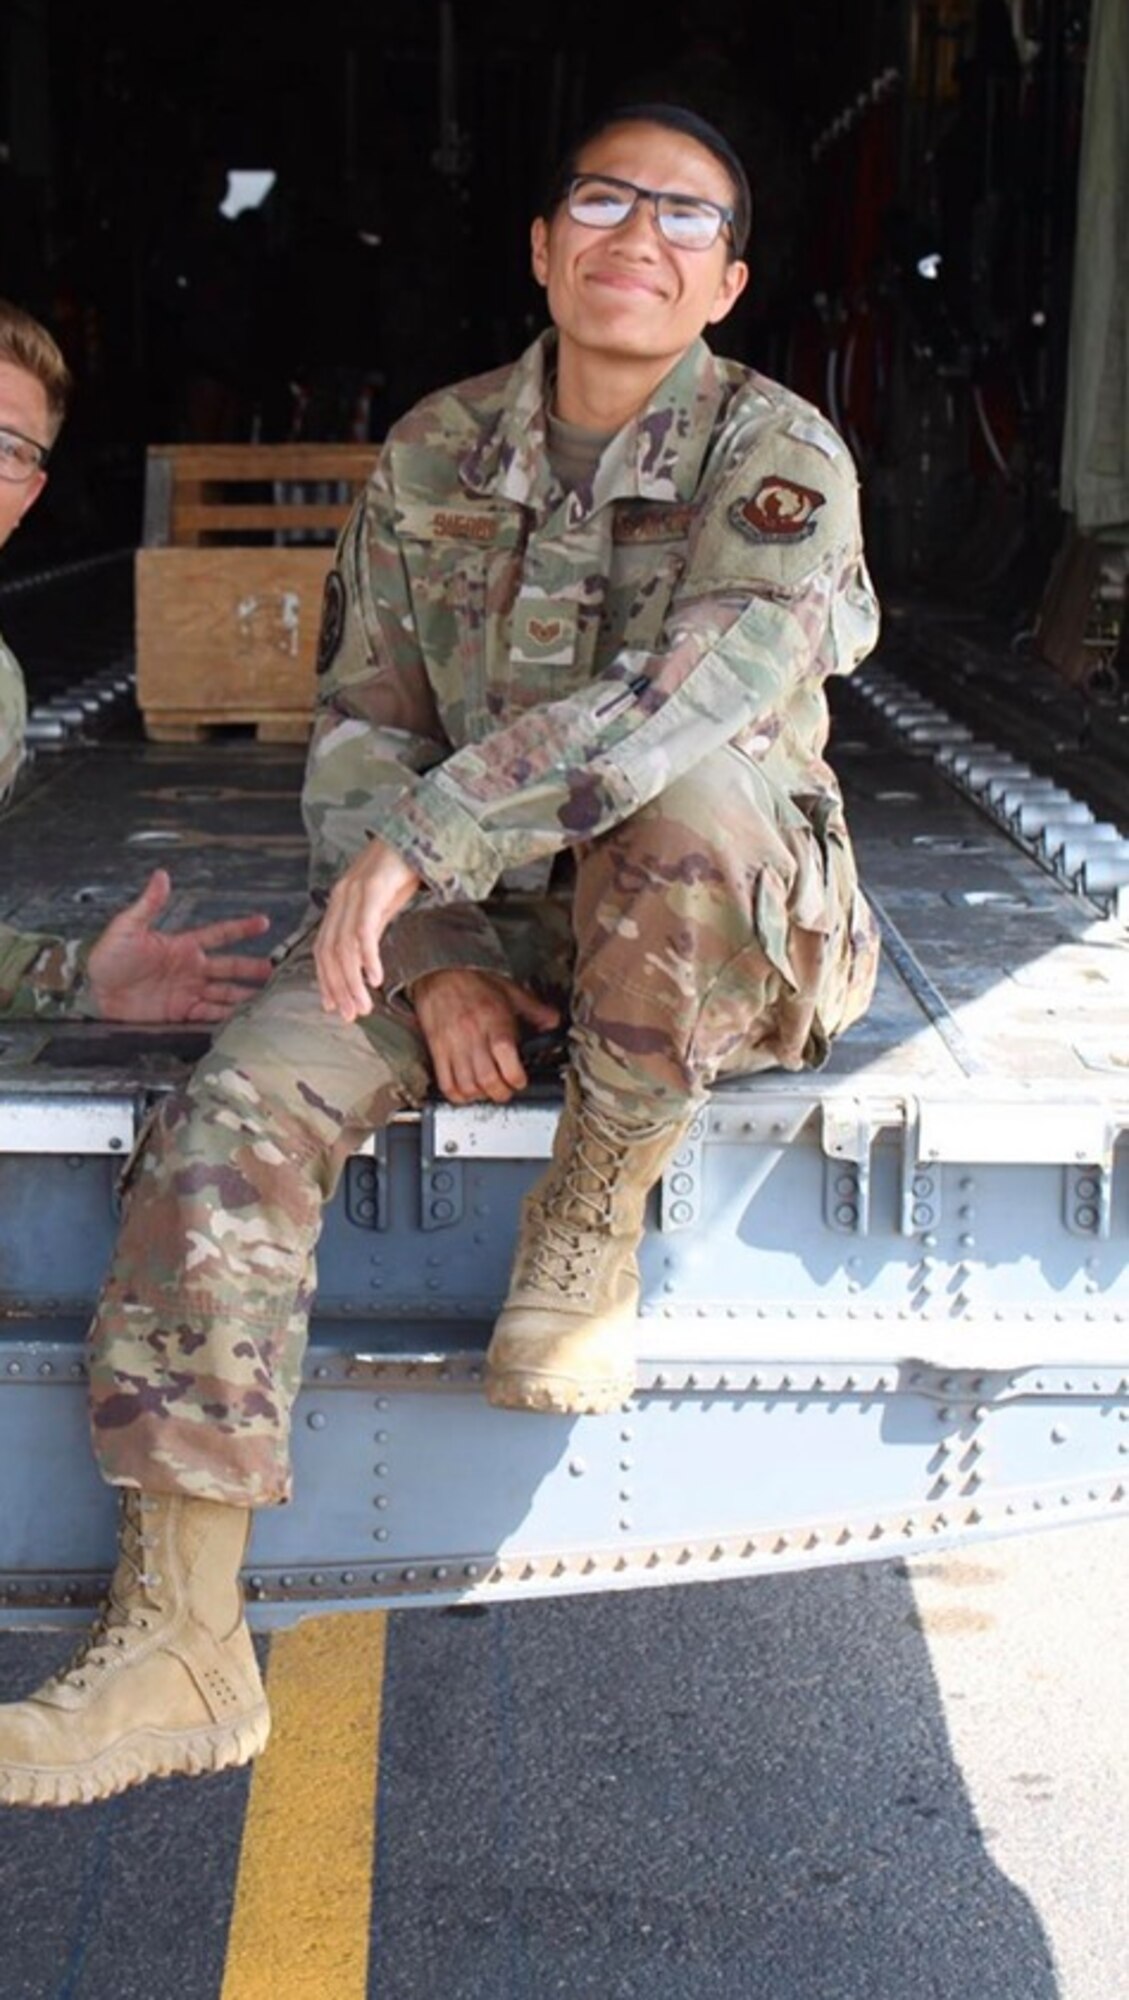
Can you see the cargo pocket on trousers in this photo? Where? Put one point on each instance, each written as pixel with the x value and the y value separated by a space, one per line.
pixel 757 1013
pixel 851 945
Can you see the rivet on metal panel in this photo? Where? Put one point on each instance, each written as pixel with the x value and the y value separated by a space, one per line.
pixel 1058 1434
pixel 380 1535
pixel 316 1420
pixel 409 1575
pixel 578 1467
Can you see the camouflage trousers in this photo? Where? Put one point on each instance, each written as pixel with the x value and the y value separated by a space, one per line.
pixel 717 931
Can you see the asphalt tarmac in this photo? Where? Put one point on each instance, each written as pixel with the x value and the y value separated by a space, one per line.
pixel 887 1782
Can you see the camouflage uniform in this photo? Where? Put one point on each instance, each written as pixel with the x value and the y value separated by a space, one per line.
pixel 38 974
pixel 628 674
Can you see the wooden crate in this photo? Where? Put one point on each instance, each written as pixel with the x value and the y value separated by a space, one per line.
pixel 227 629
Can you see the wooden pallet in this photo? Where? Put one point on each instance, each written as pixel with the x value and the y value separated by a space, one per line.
pixel 227 627
pixel 1081 629
pixel 173 725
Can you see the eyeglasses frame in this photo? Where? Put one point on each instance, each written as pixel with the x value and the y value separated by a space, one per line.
pixel 44 450
pixel 654 195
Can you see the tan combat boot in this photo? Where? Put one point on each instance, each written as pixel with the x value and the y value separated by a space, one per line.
pixel 565 1338
pixel 167 1681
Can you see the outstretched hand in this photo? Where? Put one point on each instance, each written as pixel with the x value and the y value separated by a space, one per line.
pixel 471 1024
pixel 136 973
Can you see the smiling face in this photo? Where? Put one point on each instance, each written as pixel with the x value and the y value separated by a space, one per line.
pixel 23 408
pixel 627 293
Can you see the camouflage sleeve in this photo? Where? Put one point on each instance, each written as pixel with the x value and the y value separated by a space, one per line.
pixel 42 976
pixel 376 732
pixel 775 591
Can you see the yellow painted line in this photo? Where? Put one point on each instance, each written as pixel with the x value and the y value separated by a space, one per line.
pixel 303 1895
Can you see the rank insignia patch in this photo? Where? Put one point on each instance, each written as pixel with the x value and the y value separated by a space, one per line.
pixel 781 510
pixel 332 620
pixel 546 631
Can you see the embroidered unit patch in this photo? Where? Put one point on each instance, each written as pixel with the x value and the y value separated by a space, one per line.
pixel 781 510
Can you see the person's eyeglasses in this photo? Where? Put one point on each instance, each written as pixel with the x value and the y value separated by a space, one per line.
pixel 20 457
pixel 686 220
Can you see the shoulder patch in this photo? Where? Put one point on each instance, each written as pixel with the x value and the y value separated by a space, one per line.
pixel 332 620
pixel 780 510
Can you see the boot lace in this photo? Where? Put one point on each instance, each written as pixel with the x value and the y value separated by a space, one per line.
pixel 121 1612
pixel 577 1218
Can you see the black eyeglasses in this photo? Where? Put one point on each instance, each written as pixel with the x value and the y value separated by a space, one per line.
pixel 600 201
pixel 21 457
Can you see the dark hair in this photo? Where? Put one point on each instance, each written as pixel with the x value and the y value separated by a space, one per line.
pixel 675 118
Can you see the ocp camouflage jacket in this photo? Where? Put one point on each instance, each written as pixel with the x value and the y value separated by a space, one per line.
pixel 508 668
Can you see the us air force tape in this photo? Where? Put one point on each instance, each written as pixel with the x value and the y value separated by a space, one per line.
pixel 332 620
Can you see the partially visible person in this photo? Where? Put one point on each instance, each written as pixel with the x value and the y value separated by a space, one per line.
pixel 132 972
